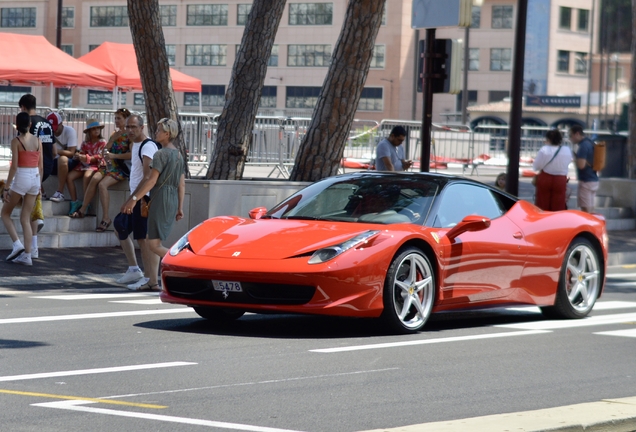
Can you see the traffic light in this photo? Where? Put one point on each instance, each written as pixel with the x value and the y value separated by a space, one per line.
pixel 447 66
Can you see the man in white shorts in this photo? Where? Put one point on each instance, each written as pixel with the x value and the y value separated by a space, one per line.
pixel 66 145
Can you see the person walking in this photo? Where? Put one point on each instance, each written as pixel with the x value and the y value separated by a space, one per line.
pixel 588 179
pixel 166 184
pixel 552 163
pixel 143 149
pixel 24 180
pixel 389 155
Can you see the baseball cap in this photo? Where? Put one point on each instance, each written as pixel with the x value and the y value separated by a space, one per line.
pixel 55 119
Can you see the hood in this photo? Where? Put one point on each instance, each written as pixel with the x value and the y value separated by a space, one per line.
pixel 268 239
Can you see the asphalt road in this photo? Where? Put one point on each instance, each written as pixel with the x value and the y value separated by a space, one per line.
pixel 81 354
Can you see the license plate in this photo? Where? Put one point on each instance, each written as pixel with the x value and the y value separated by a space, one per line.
pixel 227 286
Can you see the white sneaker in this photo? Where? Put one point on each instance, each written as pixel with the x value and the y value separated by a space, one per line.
pixel 40 225
pixel 35 254
pixel 57 197
pixel 140 283
pixel 131 276
pixel 23 259
pixel 14 253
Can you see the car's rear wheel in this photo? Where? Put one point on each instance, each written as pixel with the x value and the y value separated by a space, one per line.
pixel 218 315
pixel 579 282
pixel 409 291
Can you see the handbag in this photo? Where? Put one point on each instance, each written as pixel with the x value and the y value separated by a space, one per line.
pixel 534 179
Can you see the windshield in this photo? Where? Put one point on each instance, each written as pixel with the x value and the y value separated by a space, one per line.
pixel 384 200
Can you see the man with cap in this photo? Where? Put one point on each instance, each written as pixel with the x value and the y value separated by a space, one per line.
pixel 66 145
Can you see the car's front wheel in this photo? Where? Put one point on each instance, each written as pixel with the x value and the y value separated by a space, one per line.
pixel 218 315
pixel 579 283
pixel 409 291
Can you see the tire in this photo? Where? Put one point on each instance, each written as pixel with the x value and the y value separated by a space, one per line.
pixel 218 315
pixel 409 291
pixel 579 282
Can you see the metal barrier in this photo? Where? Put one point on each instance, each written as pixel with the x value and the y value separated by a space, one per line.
pixel 276 140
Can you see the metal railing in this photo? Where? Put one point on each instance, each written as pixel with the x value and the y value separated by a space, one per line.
pixel 276 140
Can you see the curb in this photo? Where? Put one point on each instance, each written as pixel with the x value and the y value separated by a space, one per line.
pixel 607 415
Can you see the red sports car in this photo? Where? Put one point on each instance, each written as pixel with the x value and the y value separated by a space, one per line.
pixel 399 246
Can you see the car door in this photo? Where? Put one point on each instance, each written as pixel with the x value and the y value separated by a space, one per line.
pixel 482 265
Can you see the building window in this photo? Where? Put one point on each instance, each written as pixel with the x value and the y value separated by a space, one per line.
pixel 168 15
pixel 563 61
pixel 206 55
pixel 12 94
pixel 475 20
pixel 472 99
pixel 273 57
pixel 502 17
pixel 109 16
pixel 212 95
pixel 377 61
pixel 310 13
pixel 301 97
pixel 242 12
pixel 497 95
pixel 500 59
pixel 268 97
pixel 580 63
pixel 92 47
pixel 96 97
pixel 18 17
pixel 68 17
pixel 308 55
pixel 65 98
pixel 371 99
pixel 139 99
pixel 565 18
pixel 207 15
pixel 171 52
pixel 584 20
pixel 473 59
pixel 68 49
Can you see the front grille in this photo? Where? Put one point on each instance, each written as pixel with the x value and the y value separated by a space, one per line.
pixel 253 293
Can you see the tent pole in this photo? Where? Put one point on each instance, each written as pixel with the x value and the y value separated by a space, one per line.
pixel 115 99
pixel 200 104
pixel 52 95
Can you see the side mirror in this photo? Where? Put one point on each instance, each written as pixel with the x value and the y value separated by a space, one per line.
pixel 257 212
pixel 469 223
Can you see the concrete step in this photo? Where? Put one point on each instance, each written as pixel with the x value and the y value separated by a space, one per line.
pixel 56 224
pixel 68 239
pixel 620 224
pixel 615 212
pixel 50 208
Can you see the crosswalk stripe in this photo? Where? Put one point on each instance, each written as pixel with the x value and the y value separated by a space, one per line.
pixel 622 333
pixel 560 324
pixel 138 302
pixel 96 296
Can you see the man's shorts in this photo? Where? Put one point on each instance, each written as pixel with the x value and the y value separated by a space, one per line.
pixel 72 163
pixel 134 223
pixel 586 194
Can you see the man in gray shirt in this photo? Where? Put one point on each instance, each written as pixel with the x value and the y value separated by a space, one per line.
pixel 389 155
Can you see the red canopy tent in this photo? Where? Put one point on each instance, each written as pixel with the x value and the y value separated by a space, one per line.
pixel 121 60
pixel 33 60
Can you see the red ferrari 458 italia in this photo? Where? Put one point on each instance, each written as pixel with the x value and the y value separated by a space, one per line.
pixel 398 246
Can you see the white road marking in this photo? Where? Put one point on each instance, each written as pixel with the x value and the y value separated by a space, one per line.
pixel 620 284
pixel 65 279
pixel 623 333
pixel 78 406
pixel 427 341
pixel 609 305
pixel 95 315
pixel 95 296
pixel 620 275
pixel 139 302
pixel 275 381
pixel 93 371
pixel 560 324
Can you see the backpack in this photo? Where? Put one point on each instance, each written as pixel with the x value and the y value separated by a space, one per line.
pixel 142 146
pixel 600 154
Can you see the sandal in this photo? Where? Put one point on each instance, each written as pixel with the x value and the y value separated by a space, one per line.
pixel 148 287
pixel 77 215
pixel 103 226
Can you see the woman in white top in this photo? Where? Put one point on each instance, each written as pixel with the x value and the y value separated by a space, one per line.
pixel 552 164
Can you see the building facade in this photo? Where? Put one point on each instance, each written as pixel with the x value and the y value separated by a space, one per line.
pixel 203 36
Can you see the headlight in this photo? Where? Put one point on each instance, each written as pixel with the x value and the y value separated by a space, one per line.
pixel 182 243
pixel 328 253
